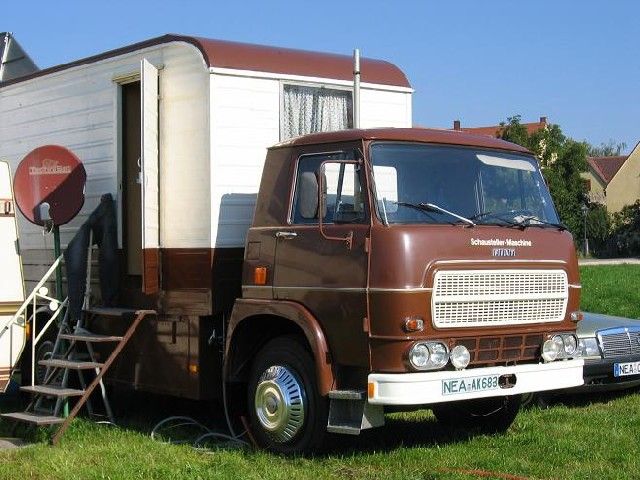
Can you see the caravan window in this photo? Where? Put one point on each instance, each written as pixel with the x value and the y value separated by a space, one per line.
pixel 307 109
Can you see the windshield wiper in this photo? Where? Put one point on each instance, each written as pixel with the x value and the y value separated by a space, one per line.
pixel 527 222
pixel 506 223
pixel 431 207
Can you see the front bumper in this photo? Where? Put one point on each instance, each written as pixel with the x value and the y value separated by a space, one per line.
pixel 598 374
pixel 429 387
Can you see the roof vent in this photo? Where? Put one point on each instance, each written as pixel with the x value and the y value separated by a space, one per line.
pixel 14 61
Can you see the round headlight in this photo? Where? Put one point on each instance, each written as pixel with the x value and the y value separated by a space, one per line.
pixel 551 349
pixel 460 356
pixel 439 354
pixel 557 339
pixel 419 355
pixel 570 344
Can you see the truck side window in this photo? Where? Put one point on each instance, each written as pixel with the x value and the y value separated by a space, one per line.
pixel 345 199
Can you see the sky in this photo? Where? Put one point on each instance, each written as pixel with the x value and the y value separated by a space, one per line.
pixel 480 62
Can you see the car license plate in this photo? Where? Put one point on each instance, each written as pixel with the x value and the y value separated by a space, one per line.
pixel 454 386
pixel 624 369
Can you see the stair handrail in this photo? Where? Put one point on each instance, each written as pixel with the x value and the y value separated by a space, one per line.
pixel 39 292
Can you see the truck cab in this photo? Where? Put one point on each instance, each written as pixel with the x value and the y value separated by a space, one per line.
pixel 399 268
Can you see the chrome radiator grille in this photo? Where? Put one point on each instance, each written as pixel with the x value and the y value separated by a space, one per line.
pixel 618 342
pixel 468 298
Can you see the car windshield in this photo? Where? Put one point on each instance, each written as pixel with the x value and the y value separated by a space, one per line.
pixel 418 183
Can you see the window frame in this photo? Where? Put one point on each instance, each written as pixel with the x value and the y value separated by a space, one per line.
pixel 319 85
pixel 323 159
pixel 375 206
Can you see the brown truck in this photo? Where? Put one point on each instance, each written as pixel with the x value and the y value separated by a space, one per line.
pixel 400 268
pixel 383 268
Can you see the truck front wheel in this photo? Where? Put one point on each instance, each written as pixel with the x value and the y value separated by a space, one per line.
pixel 288 414
pixel 489 415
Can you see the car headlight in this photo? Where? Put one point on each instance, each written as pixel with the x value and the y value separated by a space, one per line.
pixel 428 355
pixel 589 347
pixel 550 350
pixel 559 346
pixel 460 357
pixel 570 344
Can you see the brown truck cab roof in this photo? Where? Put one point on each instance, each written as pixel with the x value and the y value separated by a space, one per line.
pixel 422 135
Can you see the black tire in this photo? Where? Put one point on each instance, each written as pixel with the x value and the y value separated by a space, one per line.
pixel 284 366
pixel 44 351
pixel 489 415
pixel 535 399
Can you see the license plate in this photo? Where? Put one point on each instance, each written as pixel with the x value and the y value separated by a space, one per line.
pixel 455 386
pixel 624 369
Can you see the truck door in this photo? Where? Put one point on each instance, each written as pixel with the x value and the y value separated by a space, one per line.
pixel 319 267
pixel 12 336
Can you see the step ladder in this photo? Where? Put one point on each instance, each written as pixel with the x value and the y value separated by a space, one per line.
pixel 67 359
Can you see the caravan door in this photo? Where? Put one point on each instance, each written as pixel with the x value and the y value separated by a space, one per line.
pixel 149 177
pixel 12 335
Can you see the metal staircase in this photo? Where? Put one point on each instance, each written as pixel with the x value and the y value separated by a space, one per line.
pixel 74 352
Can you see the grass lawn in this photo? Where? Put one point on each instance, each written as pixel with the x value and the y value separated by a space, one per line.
pixel 611 289
pixel 579 437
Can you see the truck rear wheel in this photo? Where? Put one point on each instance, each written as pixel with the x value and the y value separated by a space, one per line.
pixel 288 414
pixel 490 415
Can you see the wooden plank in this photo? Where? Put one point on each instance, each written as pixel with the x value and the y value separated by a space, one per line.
pixel 90 337
pixel 33 418
pixel 53 391
pixel 71 364
pixel 112 312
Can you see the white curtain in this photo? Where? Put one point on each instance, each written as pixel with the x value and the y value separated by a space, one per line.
pixel 314 109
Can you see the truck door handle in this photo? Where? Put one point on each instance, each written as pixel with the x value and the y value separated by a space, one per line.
pixel 286 235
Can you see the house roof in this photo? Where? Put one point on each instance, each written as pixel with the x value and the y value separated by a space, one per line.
pixel 260 58
pixel 496 130
pixel 423 135
pixel 606 167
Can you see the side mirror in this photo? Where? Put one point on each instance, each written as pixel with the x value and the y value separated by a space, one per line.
pixel 308 199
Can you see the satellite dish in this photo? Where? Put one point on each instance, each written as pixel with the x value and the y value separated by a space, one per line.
pixel 49 185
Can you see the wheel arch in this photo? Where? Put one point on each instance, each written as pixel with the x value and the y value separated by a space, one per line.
pixel 254 322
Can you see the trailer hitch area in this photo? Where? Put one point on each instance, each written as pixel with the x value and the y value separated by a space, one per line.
pixel 507 381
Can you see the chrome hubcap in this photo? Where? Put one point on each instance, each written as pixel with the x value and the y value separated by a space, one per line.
pixel 279 403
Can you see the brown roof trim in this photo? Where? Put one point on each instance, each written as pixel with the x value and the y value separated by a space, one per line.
pixel 260 58
pixel 423 135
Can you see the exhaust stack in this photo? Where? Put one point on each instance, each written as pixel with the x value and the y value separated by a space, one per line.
pixel 356 88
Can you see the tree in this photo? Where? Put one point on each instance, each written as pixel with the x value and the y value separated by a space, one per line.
pixel 598 229
pixel 610 149
pixel 626 229
pixel 561 160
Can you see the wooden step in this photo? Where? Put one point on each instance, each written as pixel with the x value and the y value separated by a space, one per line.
pixel 112 312
pixel 53 391
pixel 33 418
pixel 90 337
pixel 343 429
pixel 347 394
pixel 71 364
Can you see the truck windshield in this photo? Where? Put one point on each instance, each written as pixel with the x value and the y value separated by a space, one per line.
pixel 484 186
